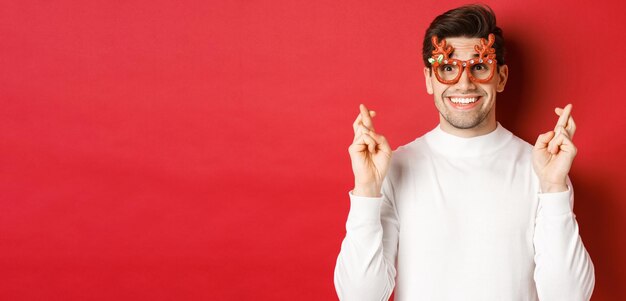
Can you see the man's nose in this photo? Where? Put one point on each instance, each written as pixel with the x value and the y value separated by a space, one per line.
pixel 465 82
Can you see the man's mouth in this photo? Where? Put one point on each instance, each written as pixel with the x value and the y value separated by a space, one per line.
pixel 464 102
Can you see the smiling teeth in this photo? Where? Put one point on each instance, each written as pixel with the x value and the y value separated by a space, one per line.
pixel 463 100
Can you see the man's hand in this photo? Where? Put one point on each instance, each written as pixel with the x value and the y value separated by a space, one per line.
pixel 554 153
pixel 370 155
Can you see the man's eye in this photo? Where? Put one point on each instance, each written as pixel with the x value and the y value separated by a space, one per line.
pixel 480 67
pixel 447 68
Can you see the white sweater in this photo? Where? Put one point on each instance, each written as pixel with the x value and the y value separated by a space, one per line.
pixel 463 219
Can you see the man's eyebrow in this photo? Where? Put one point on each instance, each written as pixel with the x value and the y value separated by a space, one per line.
pixel 452 55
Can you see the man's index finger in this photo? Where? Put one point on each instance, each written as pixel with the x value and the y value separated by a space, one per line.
pixel 564 116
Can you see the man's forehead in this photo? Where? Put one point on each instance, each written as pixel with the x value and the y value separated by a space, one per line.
pixel 463 46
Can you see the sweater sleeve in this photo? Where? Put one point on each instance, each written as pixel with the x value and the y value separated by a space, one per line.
pixel 365 268
pixel 563 270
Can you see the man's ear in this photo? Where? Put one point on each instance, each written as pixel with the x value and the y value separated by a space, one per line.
pixel 428 77
pixel 503 72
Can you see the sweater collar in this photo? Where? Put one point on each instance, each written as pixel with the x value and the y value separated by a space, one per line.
pixel 454 146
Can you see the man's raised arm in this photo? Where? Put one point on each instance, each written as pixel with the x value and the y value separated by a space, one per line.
pixel 564 270
pixel 365 267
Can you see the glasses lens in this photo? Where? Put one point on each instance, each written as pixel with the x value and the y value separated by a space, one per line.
pixel 482 71
pixel 448 71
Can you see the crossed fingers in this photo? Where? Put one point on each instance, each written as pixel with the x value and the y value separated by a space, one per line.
pixel 364 135
pixel 363 122
pixel 566 121
pixel 563 131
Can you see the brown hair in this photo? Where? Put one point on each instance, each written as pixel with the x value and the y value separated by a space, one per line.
pixel 472 21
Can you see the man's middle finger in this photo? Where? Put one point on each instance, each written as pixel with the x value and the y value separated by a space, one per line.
pixel 366 118
pixel 569 125
pixel 564 116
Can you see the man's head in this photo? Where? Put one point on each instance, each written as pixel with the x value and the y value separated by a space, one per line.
pixel 466 103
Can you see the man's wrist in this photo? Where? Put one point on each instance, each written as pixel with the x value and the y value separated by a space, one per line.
pixel 371 192
pixel 552 188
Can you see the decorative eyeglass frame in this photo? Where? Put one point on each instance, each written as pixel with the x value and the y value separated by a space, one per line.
pixel 486 55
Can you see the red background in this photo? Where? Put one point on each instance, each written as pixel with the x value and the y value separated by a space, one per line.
pixel 194 150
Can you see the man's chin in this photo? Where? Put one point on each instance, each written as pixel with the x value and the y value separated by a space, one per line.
pixel 464 126
pixel 469 122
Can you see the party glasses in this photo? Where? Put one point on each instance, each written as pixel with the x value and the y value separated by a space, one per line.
pixel 448 71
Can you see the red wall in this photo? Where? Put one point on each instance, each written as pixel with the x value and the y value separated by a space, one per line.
pixel 170 150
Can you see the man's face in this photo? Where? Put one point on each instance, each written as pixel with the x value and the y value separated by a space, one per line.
pixel 466 105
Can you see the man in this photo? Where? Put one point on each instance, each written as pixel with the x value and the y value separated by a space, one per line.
pixel 468 211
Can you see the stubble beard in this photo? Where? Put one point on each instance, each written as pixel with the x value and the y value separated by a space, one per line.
pixel 463 121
